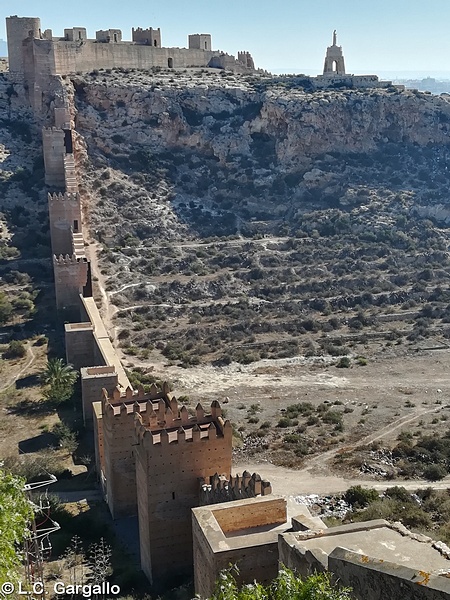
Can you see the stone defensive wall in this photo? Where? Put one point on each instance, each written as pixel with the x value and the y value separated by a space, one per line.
pixel 38 56
pixel 350 81
pixel 71 57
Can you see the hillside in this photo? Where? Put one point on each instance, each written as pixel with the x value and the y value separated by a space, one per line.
pixel 246 217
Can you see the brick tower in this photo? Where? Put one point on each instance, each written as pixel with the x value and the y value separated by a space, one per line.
pixel 171 457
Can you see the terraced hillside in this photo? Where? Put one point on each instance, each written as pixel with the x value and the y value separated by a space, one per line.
pixel 244 218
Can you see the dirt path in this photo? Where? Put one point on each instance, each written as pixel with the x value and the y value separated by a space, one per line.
pixel 287 482
pixel 316 477
pixel 13 378
pixel 321 461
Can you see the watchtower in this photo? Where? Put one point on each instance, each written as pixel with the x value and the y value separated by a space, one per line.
pixel 19 29
pixel 75 34
pixel 170 460
pixel 334 59
pixel 147 37
pixel 200 41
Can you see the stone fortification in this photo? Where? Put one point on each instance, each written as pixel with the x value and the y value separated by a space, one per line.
pixel 152 454
pixel 115 425
pixel 243 532
pixel 169 463
pixel 38 56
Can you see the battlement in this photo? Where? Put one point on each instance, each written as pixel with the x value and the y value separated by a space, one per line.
pixel 246 59
pixel 67 260
pixel 119 396
pixel 163 437
pixel 217 488
pixel 147 37
pixel 60 197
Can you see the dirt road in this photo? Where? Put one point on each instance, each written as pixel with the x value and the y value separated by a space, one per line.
pixel 288 482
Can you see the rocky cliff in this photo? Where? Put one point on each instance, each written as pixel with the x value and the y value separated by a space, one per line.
pixel 315 204
pixel 256 147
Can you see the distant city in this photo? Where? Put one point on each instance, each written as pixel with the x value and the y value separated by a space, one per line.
pixel 3 49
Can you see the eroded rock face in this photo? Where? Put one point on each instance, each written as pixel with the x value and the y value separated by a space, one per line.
pixel 220 151
pixel 226 118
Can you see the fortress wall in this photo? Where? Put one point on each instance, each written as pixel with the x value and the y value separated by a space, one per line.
pixel 254 550
pixel 93 381
pixel 70 278
pixel 250 515
pixel 119 460
pixel 86 56
pixel 98 442
pixel 17 30
pixel 54 151
pixel 104 352
pixel 167 483
pixel 79 338
pixel 374 579
pixel 64 214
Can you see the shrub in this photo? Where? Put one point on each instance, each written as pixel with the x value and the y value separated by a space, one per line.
pixel 434 472
pixel 15 350
pixel 343 362
pixel 360 497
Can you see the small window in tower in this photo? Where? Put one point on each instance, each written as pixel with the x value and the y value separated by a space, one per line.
pixel 173 495
pixel 115 37
pixel 206 45
pixel 79 35
pixel 155 43
pixel 75 225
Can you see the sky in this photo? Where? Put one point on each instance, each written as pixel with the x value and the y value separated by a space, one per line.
pixel 382 37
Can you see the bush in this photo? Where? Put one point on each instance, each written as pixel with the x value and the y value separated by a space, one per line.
pixel 284 422
pixel 434 472
pixel 359 497
pixel 343 363
pixel 15 350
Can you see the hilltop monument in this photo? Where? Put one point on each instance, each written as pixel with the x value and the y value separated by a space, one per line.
pixel 334 59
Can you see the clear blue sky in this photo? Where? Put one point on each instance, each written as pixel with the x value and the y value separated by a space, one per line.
pixel 385 35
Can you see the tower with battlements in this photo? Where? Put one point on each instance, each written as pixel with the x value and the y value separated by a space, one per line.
pixel 171 457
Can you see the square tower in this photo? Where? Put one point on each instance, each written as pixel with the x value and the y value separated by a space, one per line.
pixel 200 41
pixel 170 460
pixel 147 37
pixel 75 34
pixel 19 29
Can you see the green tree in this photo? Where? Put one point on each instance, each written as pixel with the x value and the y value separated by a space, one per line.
pixel 287 586
pixel 58 379
pixel 15 514
pixel 5 308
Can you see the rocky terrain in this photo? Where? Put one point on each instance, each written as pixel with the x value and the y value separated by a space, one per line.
pixel 247 217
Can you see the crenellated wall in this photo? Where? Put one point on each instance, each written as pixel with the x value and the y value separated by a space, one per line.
pixel 115 420
pixel 169 463
pixel 217 488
